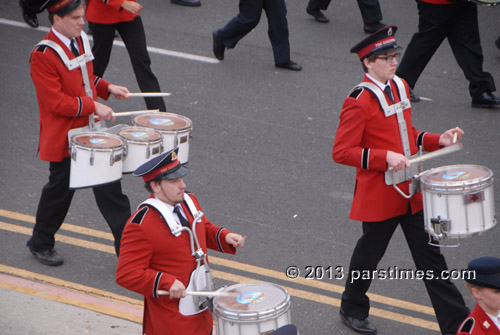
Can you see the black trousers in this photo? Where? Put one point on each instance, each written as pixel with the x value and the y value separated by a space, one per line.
pixel 249 17
pixel 459 24
pixel 445 298
pixel 56 199
pixel 370 9
pixel 132 34
pixel 38 6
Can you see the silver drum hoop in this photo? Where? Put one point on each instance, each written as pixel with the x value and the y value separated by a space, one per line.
pixel 432 183
pixel 240 316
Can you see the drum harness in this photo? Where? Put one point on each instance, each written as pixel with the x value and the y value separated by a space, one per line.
pixel 201 277
pixel 81 62
pixel 392 177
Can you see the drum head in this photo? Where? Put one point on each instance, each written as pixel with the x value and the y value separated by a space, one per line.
pixel 457 175
pixel 139 134
pixel 163 121
pixel 97 140
pixel 252 297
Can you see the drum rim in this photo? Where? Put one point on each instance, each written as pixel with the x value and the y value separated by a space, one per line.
pixel 139 141
pixel 91 148
pixel 250 316
pixel 446 185
pixel 487 2
pixel 174 130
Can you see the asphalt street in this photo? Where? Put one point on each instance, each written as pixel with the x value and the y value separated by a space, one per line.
pixel 260 158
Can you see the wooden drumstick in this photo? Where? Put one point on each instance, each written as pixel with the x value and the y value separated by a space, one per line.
pixel 455 135
pixel 149 94
pixel 132 113
pixel 241 240
pixel 443 151
pixel 437 153
pixel 203 293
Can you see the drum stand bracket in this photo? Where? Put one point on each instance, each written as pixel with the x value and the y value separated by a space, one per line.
pixel 440 227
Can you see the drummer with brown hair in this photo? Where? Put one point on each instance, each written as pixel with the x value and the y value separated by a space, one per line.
pixel 67 91
pixel 376 134
pixel 158 251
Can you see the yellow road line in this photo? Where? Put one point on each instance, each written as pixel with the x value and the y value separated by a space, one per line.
pixel 65 226
pixel 67 284
pixel 73 302
pixel 217 274
pixel 248 268
pixel 227 263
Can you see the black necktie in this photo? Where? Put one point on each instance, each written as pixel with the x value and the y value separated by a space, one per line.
pixel 387 91
pixel 74 50
pixel 183 221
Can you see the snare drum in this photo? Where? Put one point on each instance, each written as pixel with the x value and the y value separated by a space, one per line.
pixel 458 201
pixel 96 158
pixel 255 309
pixel 176 130
pixel 142 144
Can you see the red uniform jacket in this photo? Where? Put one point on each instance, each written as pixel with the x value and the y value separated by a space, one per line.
pixel 107 12
pixel 62 101
pixel 478 323
pixel 363 137
pixel 151 258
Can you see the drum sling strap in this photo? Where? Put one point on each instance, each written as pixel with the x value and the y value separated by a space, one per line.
pixel 201 277
pixel 80 61
pixel 392 177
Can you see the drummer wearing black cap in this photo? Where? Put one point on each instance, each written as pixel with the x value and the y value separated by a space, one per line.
pixel 484 285
pixel 375 134
pixel 157 250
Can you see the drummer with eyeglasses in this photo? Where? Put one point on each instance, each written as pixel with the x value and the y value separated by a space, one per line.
pixel 375 134
pixel 164 248
pixel 67 92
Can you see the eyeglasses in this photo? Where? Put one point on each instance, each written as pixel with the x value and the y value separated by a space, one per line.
pixel 389 58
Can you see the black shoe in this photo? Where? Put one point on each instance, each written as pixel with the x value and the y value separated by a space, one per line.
pixel 414 97
pixel 373 27
pixel 219 47
pixel 317 14
pixel 497 42
pixel 189 3
pixel 290 66
pixel 47 257
pixel 28 15
pixel 485 100
pixel 359 326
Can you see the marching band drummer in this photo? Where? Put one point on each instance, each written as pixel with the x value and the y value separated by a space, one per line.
pixel 485 288
pixel 66 99
pixel 376 133
pixel 157 250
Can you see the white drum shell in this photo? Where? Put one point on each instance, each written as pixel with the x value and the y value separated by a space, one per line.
pixel 231 322
pixel 180 137
pixel 95 166
pixel 139 152
pixel 469 207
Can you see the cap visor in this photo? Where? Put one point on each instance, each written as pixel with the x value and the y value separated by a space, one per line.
pixel 179 173
pixel 385 50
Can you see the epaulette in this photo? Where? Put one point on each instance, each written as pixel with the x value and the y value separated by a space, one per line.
pixel 139 216
pixel 467 326
pixel 356 92
pixel 41 48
